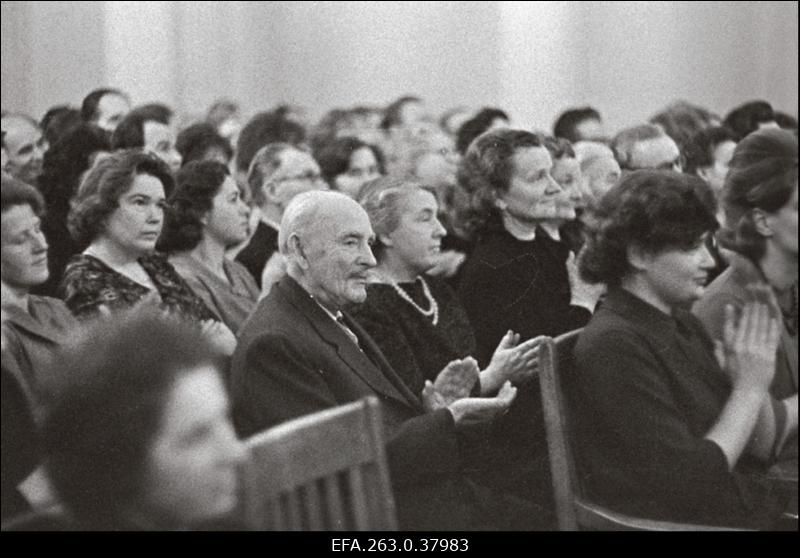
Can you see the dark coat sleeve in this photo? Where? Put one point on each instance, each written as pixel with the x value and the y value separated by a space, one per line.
pixel 648 443
pixel 280 382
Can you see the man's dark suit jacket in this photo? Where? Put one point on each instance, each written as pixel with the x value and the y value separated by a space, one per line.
pixel 293 359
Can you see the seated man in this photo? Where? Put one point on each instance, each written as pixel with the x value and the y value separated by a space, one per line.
pixel 579 124
pixel 278 172
pixel 24 146
pixel 299 353
pixel 646 146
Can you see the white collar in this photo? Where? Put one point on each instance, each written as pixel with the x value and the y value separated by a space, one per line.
pixel 270 223
pixel 552 231
pixel 517 229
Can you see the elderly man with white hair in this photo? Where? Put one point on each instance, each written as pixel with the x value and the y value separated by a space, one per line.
pixel 599 168
pixel 300 353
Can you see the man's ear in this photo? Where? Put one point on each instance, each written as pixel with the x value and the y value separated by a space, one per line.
pixel 269 188
pixel 762 223
pixel 704 173
pixel 638 258
pixel 298 251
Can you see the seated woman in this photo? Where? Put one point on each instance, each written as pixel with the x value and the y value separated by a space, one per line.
pixel 65 165
pixel 518 278
pixel 37 328
pixel 760 199
pixel 206 216
pixel 118 212
pixel 418 322
pixel 662 431
pixel 347 163
pixel 567 172
pixel 140 436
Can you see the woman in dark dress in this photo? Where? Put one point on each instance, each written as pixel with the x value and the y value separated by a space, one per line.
pixel 665 429
pixel 417 320
pixel 420 326
pixel 118 212
pixel 518 277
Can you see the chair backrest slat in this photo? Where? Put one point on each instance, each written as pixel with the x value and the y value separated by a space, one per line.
pixel 557 428
pixel 327 470
pixel 359 501
pixel 333 497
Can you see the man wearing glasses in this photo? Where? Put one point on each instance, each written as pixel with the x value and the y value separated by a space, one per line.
pixel 646 147
pixel 277 173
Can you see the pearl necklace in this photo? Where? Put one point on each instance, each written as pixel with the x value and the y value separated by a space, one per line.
pixel 433 307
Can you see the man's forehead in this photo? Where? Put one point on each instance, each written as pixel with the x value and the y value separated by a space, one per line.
pixel 343 219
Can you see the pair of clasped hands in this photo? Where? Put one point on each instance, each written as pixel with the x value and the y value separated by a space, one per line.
pixel 512 363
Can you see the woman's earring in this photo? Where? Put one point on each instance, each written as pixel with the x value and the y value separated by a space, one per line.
pixel 501 205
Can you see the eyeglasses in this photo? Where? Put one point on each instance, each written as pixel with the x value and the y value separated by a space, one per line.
pixel 309 176
pixel 674 165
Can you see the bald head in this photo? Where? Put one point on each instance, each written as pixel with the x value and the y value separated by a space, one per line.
pixel 325 237
pixel 308 210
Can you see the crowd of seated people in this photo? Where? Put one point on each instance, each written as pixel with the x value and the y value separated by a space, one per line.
pixel 169 291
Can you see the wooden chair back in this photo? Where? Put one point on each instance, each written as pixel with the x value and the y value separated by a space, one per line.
pixel 322 472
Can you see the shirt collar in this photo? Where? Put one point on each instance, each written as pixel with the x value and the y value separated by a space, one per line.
pixel 337 317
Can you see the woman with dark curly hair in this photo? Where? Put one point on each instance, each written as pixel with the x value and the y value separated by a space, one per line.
pixel 118 212
pixel 760 201
pixel 665 430
pixel 65 165
pixel 140 436
pixel 206 216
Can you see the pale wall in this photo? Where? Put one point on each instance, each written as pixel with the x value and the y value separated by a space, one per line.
pixel 627 58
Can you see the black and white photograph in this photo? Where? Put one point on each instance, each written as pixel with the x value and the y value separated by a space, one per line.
pixel 401 274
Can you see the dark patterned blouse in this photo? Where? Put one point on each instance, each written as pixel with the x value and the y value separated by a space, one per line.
pixel 89 284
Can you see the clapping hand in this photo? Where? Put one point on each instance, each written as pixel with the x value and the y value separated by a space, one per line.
pixel 454 382
pixel 512 362
pixel 476 410
pixel 747 350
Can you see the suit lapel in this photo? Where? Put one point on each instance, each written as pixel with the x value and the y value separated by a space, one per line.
pixel 375 356
pixel 348 352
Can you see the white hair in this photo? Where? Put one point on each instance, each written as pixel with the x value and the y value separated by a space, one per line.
pixel 587 152
pixel 301 216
